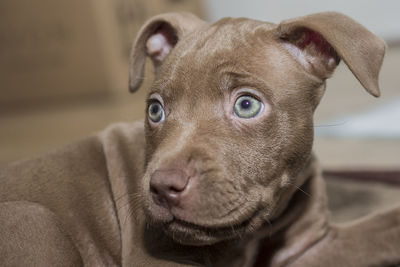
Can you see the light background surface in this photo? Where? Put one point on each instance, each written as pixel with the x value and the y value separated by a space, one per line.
pixel 381 17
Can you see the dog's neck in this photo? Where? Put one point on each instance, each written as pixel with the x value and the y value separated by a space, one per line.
pixel 303 223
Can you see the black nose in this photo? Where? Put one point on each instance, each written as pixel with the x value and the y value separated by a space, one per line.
pixel 166 186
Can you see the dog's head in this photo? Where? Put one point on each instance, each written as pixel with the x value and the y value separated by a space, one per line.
pixel 229 125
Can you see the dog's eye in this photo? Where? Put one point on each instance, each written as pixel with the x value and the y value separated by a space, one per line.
pixel 247 107
pixel 156 112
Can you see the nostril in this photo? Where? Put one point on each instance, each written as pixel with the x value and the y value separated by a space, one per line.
pixel 165 189
pixel 175 190
pixel 153 190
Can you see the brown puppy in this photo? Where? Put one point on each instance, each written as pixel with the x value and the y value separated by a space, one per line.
pixel 221 173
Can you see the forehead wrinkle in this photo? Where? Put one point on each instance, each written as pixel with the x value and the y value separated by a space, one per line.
pixel 209 40
pixel 231 32
pixel 234 77
pixel 193 43
pixel 230 79
pixel 215 33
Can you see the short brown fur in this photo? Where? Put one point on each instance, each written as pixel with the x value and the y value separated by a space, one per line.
pixel 256 195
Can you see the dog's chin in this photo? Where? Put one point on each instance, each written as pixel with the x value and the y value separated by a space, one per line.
pixel 191 233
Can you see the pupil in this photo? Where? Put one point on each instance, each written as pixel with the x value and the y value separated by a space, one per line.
pixel 245 104
pixel 155 109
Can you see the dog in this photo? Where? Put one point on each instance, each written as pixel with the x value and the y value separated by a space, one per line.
pixel 221 171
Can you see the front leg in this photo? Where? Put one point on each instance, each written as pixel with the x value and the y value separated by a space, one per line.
pixel 373 241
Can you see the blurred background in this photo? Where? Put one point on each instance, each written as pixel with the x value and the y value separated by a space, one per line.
pixel 64 74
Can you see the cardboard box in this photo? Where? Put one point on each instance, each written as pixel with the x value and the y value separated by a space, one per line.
pixel 53 51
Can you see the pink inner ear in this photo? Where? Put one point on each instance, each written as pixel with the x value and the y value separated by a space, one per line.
pixel 160 44
pixel 320 44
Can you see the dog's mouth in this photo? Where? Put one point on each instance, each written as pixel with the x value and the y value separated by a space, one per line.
pixel 195 234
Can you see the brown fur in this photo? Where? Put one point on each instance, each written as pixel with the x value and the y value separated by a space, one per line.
pixel 256 196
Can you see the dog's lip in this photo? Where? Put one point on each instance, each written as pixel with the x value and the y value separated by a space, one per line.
pixel 213 230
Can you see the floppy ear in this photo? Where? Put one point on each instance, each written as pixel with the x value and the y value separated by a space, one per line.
pixel 319 41
pixel 156 39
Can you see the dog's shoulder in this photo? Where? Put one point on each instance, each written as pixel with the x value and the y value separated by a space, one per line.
pixel 84 161
pixel 131 135
pixel 64 161
pixel 124 148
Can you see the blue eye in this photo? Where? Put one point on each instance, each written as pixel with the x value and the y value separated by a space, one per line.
pixel 247 107
pixel 155 112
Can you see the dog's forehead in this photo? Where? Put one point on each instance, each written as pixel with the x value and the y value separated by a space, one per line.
pixel 211 55
pixel 224 36
pixel 230 30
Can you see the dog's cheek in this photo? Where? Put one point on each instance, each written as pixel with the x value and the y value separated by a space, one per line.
pixel 248 169
pixel 151 140
pixel 295 154
pixel 217 199
pixel 280 153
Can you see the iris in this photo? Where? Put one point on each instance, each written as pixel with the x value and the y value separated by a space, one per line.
pixel 247 107
pixel 156 112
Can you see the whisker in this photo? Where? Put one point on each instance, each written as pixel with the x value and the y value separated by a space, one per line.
pixel 331 125
pixel 301 190
pixel 270 224
pixel 133 202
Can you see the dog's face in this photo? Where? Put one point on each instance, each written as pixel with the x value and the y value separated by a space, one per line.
pixel 232 123
pixel 229 124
